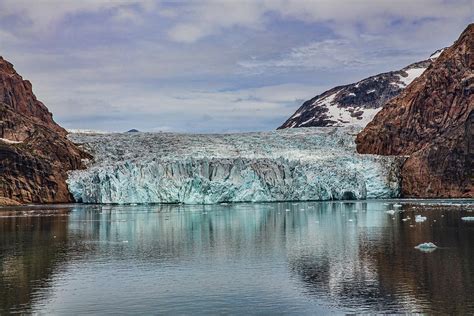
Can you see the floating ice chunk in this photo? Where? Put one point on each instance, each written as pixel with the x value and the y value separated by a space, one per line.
pixel 426 247
pixel 397 205
pixel 468 218
pixel 420 219
pixel 390 212
pixel 405 219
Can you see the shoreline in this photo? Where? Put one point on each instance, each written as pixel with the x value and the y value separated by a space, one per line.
pixel 388 200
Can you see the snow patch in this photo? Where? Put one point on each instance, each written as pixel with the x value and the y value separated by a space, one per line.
pixel 8 141
pixel 85 131
pixel 412 74
pixel 437 53
pixel 307 121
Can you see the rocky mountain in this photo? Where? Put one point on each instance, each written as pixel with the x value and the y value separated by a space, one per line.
pixel 432 122
pixel 35 153
pixel 356 103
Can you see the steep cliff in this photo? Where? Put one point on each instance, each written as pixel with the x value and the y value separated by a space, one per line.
pixel 431 121
pixel 35 154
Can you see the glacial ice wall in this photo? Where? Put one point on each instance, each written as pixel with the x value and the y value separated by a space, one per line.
pixel 286 165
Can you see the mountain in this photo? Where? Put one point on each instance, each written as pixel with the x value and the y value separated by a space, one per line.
pixel 432 122
pixel 356 103
pixel 35 153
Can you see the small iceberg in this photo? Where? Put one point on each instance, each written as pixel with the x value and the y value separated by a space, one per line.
pixel 468 218
pixel 426 247
pixel 391 212
pixel 420 219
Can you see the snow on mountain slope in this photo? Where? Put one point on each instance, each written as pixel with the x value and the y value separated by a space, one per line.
pixel 356 104
pixel 290 165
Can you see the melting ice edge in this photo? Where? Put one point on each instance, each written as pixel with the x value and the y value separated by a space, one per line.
pixel 287 165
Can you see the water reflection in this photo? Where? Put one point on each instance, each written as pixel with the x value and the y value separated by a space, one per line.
pixel 279 257
pixel 371 267
pixel 32 247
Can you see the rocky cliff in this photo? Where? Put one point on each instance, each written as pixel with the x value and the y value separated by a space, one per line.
pixel 35 154
pixel 432 122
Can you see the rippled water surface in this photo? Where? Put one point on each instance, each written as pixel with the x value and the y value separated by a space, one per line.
pixel 280 258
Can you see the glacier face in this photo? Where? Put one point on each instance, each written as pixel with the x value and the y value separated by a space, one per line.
pixel 285 165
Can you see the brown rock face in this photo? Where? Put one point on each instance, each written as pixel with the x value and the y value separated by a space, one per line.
pixel 18 95
pixel 35 154
pixel 432 122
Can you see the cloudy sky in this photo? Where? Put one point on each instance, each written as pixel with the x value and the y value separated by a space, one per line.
pixel 211 65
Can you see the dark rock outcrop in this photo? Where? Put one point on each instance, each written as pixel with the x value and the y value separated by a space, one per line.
pixel 432 122
pixel 35 153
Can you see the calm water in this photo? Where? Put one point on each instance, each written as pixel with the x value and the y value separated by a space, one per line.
pixel 247 258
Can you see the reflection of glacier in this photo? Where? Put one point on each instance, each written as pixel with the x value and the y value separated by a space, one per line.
pixel 303 164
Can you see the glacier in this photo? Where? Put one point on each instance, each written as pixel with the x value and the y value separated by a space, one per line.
pixel 286 165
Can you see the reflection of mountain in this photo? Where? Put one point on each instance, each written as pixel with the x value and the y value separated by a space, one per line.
pixel 380 270
pixel 32 248
pixel 347 256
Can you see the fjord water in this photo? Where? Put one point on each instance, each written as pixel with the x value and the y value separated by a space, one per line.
pixel 305 258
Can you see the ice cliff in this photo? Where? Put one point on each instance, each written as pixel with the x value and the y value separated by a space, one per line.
pixel 285 165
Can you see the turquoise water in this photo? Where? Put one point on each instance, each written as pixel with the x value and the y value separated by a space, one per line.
pixel 279 258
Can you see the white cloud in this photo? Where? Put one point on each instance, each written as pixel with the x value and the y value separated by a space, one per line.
pixel 207 17
pixel 96 106
pixel 45 15
pixel 325 54
pixel 202 18
pixel 151 64
pixel 194 20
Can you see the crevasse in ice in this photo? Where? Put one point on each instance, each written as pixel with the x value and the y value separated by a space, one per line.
pixel 286 165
